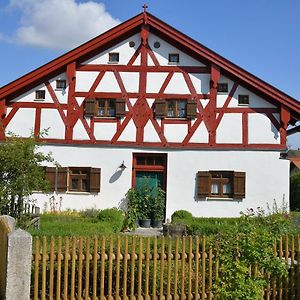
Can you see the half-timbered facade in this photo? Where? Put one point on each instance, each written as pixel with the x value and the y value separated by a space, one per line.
pixel 143 99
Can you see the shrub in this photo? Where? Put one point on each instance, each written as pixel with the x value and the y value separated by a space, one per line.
pixel 90 213
pixel 113 217
pixel 182 216
pixel 295 191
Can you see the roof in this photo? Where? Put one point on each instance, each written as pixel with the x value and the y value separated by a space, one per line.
pixel 173 36
pixel 295 161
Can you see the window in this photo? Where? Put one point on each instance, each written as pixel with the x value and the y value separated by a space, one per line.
pixel 113 57
pixel 173 58
pixel 40 95
pixel 243 100
pixel 61 84
pixel 221 184
pixel 222 87
pixel 106 108
pixel 74 179
pixel 176 108
pixel 79 180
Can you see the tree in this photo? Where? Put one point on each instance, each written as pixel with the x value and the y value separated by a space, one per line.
pixel 21 172
pixel 295 191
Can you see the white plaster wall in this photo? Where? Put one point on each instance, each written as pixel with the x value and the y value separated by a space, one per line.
pixel 62 95
pixel 79 132
pixel 200 135
pixel 267 178
pixel 262 130
pixel 150 134
pixel 104 131
pixel 123 48
pixel 175 132
pixel 85 80
pixel 129 133
pixel 130 81
pixel 177 85
pixel 200 82
pixel 108 84
pixel 155 81
pixel 22 123
pixel 50 118
pixel 162 53
pixel 230 129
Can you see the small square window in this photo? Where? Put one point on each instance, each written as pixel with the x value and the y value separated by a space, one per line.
pixel 222 87
pixel 176 108
pixel 61 84
pixel 173 58
pixel 243 100
pixel 40 95
pixel 79 179
pixel 106 107
pixel 113 57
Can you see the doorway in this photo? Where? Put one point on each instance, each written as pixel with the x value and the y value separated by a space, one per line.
pixel 153 168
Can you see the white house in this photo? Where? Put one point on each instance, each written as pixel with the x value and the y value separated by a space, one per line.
pixel 147 97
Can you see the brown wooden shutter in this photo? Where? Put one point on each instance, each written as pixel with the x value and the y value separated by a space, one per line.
pixel 50 176
pixel 95 178
pixel 239 185
pixel 120 108
pixel 62 174
pixel 160 108
pixel 191 109
pixel 204 184
pixel 90 108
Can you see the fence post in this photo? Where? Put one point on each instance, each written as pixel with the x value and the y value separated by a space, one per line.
pixel 15 261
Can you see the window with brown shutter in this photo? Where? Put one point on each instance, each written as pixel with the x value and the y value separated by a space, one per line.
pixel 160 108
pixel 221 184
pixel 203 184
pixel 50 174
pixel 90 107
pixel 120 108
pixel 62 179
pixel 191 109
pixel 239 185
pixel 95 179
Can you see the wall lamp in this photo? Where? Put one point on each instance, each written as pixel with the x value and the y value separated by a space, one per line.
pixel 122 166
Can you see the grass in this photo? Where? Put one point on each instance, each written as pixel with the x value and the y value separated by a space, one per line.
pixel 71 225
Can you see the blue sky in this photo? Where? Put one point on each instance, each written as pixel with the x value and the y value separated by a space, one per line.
pixel 261 36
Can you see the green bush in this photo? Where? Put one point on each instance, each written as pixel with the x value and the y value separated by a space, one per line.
pixel 182 216
pixel 113 217
pixel 90 213
pixel 295 191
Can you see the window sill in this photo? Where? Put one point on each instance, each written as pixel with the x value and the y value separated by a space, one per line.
pixel 39 100
pixel 79 193
pixel 60 89
pixel 223 199
pixel 243 105
pixel 112 62
pixel 173 63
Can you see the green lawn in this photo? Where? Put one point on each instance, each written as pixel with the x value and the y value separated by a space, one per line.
pixel 71 225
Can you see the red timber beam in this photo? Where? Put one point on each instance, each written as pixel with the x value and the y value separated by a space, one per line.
pixel 210 110
pixel 71 76
pixel 3 111
pixel 285 117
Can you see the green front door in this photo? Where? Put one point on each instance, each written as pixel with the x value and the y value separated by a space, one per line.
pixel 152 179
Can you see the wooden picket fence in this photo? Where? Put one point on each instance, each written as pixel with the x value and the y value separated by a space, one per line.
pixel 143 268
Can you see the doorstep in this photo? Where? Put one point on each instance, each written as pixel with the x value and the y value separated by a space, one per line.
pixel 146 232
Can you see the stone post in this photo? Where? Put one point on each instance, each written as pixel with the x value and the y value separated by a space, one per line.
pixel 18 272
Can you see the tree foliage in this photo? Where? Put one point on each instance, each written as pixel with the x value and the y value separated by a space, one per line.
pixel 295 191
pixel 20 170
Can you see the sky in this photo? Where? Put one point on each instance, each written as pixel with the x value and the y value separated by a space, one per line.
pixel 261 36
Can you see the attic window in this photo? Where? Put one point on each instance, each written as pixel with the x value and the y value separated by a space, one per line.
pixel 222 87
pixel 243 100
pixel 173 58
pixel 113 57
pixel 40 95
pixel 61 84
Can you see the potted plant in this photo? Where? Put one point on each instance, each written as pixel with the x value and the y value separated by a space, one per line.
pixel 131 217
pixel 157 208
pixel 145 208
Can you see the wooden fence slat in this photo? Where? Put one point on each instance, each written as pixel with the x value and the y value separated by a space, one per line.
pixel 80 265
pixel 132 267
pixel 140 268
pixel 203 257
pixel 298 266
pixel 125 262
pixel 58 273
pixel 182 294
pixel 162 267
pixel 274 284
pixel 154 268
pixel 190 268
pixel 118 259
pixel 102 268
pixel 280 277
pixel 147 267
pixel 169 268
pixel 210 273
pixel 197 267
pixel 176 268
pixel 44 267
pixel 36 268
pixel 66 268
pixel 286 258
pixel 73 269
pixel 51 271
pixel 110 266
pixel 87 268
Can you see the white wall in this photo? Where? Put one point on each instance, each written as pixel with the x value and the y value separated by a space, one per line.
pixel 267 178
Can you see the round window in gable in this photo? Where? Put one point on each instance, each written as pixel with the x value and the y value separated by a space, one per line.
pixel 131 44
pixel 156 45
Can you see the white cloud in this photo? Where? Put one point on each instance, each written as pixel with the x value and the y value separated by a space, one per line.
pixel 60 24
